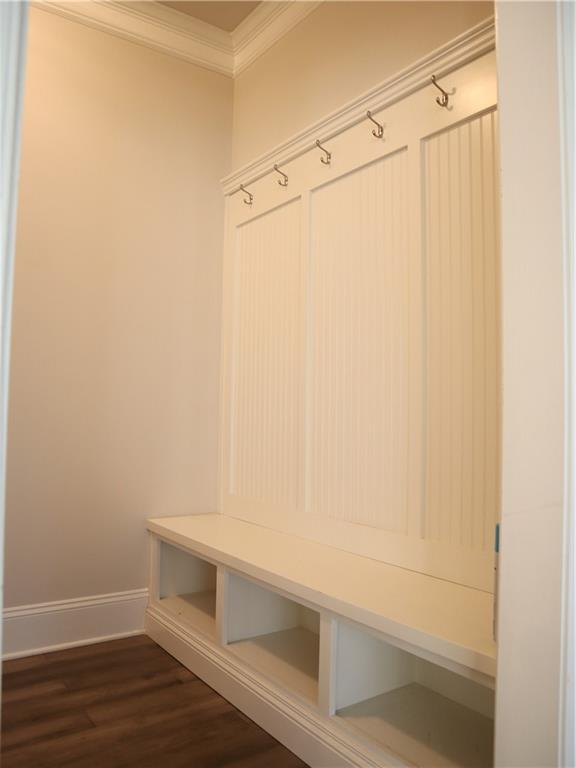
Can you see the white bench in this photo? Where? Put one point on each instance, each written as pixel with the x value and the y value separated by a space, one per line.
pixel 346 660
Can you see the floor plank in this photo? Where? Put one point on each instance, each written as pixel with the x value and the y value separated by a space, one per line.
pixel 120 704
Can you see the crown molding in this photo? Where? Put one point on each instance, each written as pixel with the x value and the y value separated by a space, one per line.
pixel 156 26
pixel 468 46
pixel 265 26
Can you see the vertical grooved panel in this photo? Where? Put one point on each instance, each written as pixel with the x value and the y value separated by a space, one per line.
pixel 462 334
pixel 266 433
pixel 362 352
pixel 359 329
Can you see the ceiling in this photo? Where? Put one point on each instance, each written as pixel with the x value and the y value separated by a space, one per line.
pixel 219 13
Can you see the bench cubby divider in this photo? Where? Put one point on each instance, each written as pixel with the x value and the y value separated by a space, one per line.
pixel 293 656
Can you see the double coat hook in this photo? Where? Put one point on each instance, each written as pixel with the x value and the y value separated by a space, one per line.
pixel 328 155
pixel 250 199
pixel 442 100
pixel 326 158
pixel 379 132
pixel 284 180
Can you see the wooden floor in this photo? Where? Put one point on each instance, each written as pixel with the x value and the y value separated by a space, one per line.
pixel 124 703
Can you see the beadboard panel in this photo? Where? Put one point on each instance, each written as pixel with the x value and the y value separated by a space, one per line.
pixel 359 332
pixel 462 334
pixel 369 418
pixel 266 425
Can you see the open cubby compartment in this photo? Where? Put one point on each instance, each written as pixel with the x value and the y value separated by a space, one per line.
pixel 274 635
pixel 187 588
pixel 426 714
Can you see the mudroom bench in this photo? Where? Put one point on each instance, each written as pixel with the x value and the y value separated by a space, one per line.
pixel 346 660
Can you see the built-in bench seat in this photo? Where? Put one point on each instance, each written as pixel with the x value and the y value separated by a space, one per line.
pixel 445 619
pixel 334 653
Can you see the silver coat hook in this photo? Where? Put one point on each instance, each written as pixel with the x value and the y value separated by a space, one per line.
pixel 442 101
pixel 325 160
pixel 379 132
pixel 250 199
pixel 284 180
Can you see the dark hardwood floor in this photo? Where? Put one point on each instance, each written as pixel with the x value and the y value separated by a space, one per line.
pixel 124 703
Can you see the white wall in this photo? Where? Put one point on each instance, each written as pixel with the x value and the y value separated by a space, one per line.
pixel 336 53
pixel 528 683
pixel 114 388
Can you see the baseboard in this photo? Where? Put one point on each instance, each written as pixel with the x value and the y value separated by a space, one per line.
pixel 302 729
pixel 33 629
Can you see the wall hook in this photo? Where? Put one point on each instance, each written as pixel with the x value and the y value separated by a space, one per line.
pixel 284 180
pixel 325 160
pixel 250 199
pixel 379 132
pixel 442 101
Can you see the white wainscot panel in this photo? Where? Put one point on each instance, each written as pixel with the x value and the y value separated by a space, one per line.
pixel 365 429
pixel 462 334
pixel 265 423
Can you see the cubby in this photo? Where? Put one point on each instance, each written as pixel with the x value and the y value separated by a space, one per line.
pixel 388 668
pixel 275 635
pixel 425 713
pixel 187 588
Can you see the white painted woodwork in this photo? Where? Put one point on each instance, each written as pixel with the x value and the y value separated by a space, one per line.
pixel 567 70
pixel 536 459
pixel 186 586
pixel 254 610
pixel 362 322
pixel 424 728
pixel 13 38
pixel 461 235
pixel 181 572
pixel 443 622
pixel 470 45
pixel 366 667
pixel 263 27
pixel 327 664
pixel 374 700
pixel 45 627
pixel 266 439
pixel 353 597
pixel 361 339
pixel 318 740
pixel 423 712
pixel 195 608
pixel 164 29
pixel 480 698
pixel 289 657
pixel 222 592
pixel 274 634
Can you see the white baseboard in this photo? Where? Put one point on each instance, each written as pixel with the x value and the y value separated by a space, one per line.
pixel 317 740
pixel 33 629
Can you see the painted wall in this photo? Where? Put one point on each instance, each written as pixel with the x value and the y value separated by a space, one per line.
pixel 339 51
pixel 114 391
pixel 114 387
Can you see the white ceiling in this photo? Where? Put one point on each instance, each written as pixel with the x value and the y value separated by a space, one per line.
pixel 220 13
